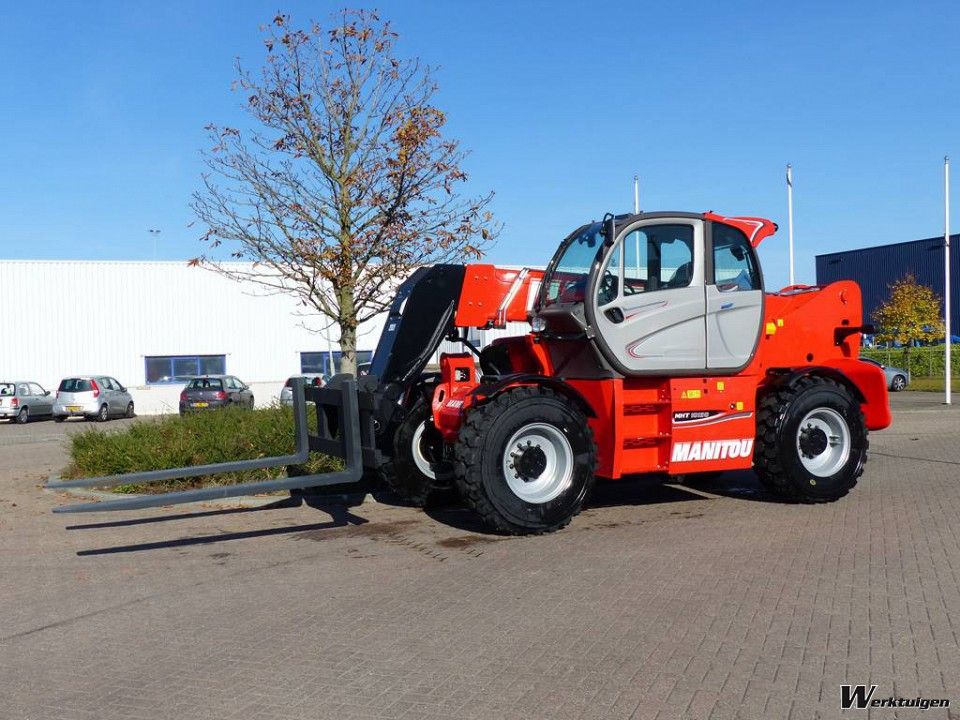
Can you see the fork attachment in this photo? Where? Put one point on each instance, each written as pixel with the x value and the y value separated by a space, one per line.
pixel 339 424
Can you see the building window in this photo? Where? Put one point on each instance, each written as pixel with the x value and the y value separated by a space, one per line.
pixel 318 363
pixel 180 368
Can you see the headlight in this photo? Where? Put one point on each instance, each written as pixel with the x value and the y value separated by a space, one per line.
pixel 538 324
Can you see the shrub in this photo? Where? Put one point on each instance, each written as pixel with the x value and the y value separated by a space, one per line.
pixel 921 361
pixel 195 439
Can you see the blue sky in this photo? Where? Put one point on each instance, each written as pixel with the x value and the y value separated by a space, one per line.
pixel 103 107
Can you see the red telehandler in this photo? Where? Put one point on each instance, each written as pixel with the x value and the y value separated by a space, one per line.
pixel 654 349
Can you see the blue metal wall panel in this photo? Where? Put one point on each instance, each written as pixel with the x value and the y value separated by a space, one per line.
pixel 875 268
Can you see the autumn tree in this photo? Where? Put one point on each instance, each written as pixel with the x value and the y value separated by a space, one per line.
pixel 912 312
pixel 344 181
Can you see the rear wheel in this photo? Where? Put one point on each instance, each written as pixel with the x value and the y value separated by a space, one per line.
pixel 525 461
pixel 59 418
pixel 103 414
pixel 811 440
pixel 417 468
pixel 899 383
pixel 23 417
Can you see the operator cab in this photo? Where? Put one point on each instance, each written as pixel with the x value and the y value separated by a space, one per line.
pixel 657 292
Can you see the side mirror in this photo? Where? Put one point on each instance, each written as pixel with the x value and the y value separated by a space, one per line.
pixel 609 229
pixel 46 392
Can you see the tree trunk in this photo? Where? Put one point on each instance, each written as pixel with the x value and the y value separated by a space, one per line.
pixel 348 331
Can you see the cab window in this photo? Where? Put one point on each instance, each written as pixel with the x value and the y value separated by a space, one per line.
pixel 655 257
pixel 734 266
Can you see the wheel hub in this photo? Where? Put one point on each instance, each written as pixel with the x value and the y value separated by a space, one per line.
pixel 823 442
pixel 530 462
pixel 538 462
pixel 813 441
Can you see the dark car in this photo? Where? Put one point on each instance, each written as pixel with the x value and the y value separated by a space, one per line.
pixel 210 392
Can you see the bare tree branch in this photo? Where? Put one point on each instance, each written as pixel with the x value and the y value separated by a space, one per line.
pixel 347 183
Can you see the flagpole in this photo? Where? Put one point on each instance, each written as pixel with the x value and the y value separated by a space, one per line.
pixel 790 218
pixel 946 280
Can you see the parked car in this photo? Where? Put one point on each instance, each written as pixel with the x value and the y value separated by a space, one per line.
pixel 94 397
pixel 897 378
pixel 286 394
pixel 209 392
pixel 23 399
pixel 364 369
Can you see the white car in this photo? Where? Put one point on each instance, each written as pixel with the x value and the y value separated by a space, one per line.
pixel 286 394
pixel 94 397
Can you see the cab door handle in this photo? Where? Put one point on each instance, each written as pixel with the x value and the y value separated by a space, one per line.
pixel 614 315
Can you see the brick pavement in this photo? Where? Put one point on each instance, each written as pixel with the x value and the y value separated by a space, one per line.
pixel 656 603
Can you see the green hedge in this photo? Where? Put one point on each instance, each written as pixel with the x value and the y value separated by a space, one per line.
pixel 923 361
pixel 195 439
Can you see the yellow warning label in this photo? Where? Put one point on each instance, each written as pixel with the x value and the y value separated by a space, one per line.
pixel 720 386
pixel 771 328
pixel 779 322
pixel 739 405
pixel 690 395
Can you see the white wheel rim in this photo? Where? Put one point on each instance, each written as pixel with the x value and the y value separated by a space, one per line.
pixel 556 461
pixel 417 450
pixel 835 454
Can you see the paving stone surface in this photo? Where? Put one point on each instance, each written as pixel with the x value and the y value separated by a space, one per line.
pixel 657 602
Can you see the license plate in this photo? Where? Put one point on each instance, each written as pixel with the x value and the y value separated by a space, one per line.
pixel 74 408
pixel 199 404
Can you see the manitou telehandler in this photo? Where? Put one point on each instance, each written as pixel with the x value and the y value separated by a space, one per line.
pixel 653 349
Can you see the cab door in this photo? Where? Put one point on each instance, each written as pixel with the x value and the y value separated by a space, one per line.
pixel 734 299
pixel 648 299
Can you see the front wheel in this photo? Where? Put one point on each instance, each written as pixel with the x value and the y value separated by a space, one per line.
pixel 417 468
pixel 129 413
pixel 811 440
pixel 525 461
pixel 899 383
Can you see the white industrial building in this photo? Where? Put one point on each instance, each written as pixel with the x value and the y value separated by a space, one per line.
pixel 150 325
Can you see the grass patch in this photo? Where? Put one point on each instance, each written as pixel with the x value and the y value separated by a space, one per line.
pixel 195 439
pixel 932 384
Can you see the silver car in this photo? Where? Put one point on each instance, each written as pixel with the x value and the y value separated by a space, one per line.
pixel 286 394
pixel 897 378
pixel 22 399
pixel 94 397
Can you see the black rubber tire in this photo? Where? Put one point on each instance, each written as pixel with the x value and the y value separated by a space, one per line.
pixel 129 413
pixel 252 403
pixel 479 451
pixel 401 473
pixel 23 416
pixel 59 418
pixel 103 415
pixel 776 456
pixel 898 383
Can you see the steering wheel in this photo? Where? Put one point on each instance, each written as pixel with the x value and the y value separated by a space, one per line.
pixel 607 292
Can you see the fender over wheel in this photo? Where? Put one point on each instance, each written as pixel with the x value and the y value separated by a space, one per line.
pixel 811 440
pixel 525 461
